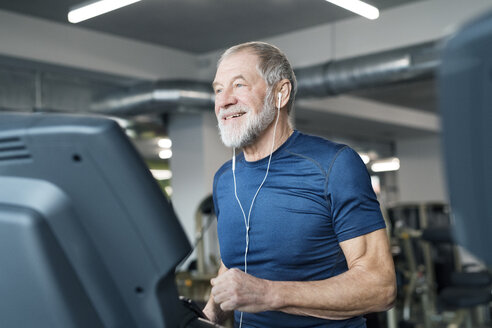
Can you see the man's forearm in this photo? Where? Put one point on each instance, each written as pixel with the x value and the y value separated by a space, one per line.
pixel 350 294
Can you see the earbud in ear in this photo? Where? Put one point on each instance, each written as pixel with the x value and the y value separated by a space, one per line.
pixel 279 97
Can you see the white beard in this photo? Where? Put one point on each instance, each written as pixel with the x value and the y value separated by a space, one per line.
pixel 242 134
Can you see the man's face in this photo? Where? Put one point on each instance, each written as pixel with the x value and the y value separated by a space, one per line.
pixel 240 106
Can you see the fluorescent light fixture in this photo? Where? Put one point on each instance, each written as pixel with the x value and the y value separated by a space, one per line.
pixel 95 8
pixel 162 174
pixel 165 143
pixel 358 7
pixel 165 154
pixel 385 165
pixel 365 157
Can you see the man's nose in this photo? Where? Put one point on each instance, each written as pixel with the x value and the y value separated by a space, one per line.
pixel 225 99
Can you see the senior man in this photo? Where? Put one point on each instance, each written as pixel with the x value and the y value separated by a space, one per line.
pixel 302 239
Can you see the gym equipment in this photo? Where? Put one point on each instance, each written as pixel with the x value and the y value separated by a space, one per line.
pixel 87 237
pixel 416 281
pixel 194 281
pixel 433 271
pixel 465 100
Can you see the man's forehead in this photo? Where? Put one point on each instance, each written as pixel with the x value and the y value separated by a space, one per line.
pixel 242 64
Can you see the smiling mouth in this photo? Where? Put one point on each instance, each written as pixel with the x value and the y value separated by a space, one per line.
pixel 232 116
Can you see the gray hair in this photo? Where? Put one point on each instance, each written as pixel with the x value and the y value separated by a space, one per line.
pixel 273 66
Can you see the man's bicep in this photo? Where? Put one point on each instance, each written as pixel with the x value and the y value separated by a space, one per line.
pixel 371 268
pixel 369 250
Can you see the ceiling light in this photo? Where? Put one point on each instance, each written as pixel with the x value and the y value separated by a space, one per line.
pixel 358 7
pixel 385 165
pixel 165 154
pixel 165 143
pixel 95 8
pixel 162 174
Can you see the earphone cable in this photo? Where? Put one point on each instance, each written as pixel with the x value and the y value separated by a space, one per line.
pixel 247 221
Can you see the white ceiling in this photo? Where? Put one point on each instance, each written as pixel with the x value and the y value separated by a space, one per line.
pixel 199 26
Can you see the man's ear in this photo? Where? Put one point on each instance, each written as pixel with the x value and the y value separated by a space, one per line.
pixel 284 89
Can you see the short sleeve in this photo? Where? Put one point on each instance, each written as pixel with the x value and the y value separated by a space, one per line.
pixel 355 209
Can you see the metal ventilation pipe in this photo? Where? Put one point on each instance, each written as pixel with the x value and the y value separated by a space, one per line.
pixel 374 70
pixel 332 78
pixel 160 96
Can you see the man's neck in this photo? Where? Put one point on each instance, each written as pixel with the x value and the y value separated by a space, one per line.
pixel 262 146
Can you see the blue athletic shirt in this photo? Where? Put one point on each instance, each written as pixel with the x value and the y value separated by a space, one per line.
pixel 317 194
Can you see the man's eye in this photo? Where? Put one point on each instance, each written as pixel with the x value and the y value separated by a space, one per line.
pixel 238 85
pixel 218 91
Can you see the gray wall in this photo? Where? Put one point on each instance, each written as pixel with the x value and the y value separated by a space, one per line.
pixel 421 175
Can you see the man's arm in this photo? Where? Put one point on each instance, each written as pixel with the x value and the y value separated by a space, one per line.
pixel 212 310
pixel 368 286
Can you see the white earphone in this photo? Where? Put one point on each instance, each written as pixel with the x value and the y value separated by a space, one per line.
pixel 279 97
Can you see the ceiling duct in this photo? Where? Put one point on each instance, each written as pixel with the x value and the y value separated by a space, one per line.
pixel 160 96
pixel 335 77
pixel 374 70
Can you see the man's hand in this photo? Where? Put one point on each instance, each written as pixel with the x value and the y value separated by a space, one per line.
pixel 236 290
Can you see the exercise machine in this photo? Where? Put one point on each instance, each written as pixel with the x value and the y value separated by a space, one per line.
pixel 87 237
